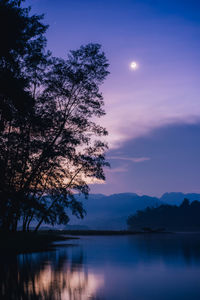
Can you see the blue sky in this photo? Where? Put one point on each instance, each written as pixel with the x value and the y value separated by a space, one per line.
pixel 153 113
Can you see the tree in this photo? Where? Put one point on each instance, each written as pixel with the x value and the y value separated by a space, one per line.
pixel 48 130
pixel 22 41
pixel 22 45
pixel 67 154
pixel 171 217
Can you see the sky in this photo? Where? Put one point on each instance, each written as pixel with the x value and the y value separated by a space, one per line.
pixel 152 113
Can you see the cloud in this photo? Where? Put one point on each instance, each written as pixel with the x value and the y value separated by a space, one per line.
pixel 132 159
pixel 157 99
pixel 117 169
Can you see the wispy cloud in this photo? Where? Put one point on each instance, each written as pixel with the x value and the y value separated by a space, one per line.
pixel 132 159
pixel 117 169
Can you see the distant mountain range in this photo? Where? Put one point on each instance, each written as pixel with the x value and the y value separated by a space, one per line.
pixel 177 198
pixel 111 212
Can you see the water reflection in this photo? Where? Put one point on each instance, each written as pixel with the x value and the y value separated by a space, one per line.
pixel 173 249
pixel 47 276
pixel 121 268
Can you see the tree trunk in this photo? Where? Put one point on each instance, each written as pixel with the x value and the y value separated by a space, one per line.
pixel 28 223
pixel 25 219
pixel 38 225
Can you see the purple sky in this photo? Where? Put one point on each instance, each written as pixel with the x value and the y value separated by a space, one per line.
pixel 153 113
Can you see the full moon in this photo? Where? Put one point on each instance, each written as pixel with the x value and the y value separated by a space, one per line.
pixel 133 65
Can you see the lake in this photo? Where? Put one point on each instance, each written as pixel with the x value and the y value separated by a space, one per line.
pixel 139 267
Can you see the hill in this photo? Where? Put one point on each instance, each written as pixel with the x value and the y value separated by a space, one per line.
pixel 177 198
pixel 184 217
pixel 111 212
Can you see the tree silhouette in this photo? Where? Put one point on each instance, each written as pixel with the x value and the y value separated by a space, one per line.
pixel 171 217
pixel 50 144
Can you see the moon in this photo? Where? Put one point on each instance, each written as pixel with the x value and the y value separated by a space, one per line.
pixel 133 65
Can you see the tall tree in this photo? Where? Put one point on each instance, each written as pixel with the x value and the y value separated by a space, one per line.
pixel 22 41
pixel 63 152
pixel 50 144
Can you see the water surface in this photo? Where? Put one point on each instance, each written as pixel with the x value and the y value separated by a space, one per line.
pixel 143 267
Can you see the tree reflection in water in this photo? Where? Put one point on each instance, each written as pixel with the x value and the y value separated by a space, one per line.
pixel 50 275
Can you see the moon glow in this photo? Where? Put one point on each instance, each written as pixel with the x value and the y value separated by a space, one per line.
pixel 133 65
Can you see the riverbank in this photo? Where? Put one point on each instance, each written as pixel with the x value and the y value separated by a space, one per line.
pixel 109 232
pixel 24 242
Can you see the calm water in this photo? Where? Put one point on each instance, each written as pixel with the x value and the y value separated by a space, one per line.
pixel 158 267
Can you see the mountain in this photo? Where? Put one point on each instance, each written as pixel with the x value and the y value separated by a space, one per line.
pixel 111 212
pixel 177 198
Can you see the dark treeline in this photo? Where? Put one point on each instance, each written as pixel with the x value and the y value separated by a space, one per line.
pixel 168 217
pixel 50 146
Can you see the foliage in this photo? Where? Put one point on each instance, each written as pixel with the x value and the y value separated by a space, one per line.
pixel 171 217
pixel 49 143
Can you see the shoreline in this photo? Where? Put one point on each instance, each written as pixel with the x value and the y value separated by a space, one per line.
pixel 110 232
pixel 27 242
